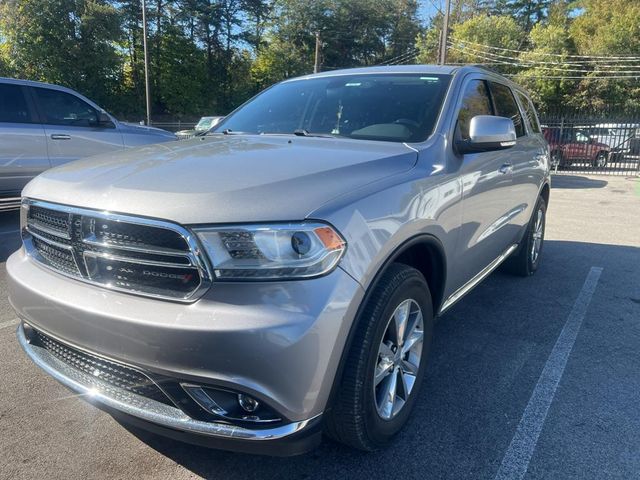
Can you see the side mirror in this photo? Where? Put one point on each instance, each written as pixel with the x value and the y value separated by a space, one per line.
pixel 488 133
pixel 105 121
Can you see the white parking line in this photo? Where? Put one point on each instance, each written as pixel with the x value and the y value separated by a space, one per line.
pixel 9 324
pixel 516 460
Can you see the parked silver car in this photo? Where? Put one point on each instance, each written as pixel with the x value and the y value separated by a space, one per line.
pixel 43 126
pixel 280 277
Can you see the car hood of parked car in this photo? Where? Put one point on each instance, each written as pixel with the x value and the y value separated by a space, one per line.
pixel 221 179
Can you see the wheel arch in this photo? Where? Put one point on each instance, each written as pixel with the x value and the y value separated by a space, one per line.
pixel 423 252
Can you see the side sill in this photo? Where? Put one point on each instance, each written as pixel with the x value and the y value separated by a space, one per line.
pixel 467 287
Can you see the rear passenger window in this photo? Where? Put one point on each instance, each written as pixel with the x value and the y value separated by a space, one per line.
pixel 506 106
pixel 530 112
pixel 13 106
pixel 475 101
pixel 61 108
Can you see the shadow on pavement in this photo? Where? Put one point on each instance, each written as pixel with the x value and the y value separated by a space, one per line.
pixel 576 182
pixel 488 353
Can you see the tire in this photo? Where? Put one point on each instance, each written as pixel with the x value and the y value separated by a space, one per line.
pixel 600 161
pixel 525 261
pixel 556 159
pixel 356 417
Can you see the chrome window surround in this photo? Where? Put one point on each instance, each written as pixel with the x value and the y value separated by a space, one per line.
pixel 195 255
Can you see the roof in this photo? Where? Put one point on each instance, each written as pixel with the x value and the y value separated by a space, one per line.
pixel 419 69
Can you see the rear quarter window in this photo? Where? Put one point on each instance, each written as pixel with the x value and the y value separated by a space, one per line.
pixel 530 112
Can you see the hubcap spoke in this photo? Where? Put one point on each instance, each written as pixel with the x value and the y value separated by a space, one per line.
pixel 389 395
pixel 382 371
pixel 401 317
pixel 414 337
pixel 398 361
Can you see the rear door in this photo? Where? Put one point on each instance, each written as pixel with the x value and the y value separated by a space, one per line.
pixel 23 147
pixel 72 127
pixel 528 175
pixel 525 157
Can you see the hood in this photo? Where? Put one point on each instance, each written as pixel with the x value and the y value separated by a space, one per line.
pixel 223 179
pixel 135 128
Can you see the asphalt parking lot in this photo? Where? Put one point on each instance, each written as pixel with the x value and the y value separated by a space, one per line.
pixel 537 377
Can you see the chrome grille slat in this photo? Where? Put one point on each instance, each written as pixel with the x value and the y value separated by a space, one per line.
pixel 119 252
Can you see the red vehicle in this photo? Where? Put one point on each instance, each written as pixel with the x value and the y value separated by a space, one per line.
pixel 571 145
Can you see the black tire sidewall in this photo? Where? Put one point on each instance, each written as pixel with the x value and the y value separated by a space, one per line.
pixel 531 265
pixel 379 430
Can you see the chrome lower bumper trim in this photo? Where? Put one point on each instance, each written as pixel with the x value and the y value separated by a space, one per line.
pixel 147 409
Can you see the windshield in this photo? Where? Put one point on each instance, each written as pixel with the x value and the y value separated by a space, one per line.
pixel 389 107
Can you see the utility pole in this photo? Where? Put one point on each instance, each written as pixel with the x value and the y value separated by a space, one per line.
pixel 316 64
pixel 146 61
pixel 445 35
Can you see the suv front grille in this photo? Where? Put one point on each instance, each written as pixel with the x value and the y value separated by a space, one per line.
pixel 119 252
pixel 100 370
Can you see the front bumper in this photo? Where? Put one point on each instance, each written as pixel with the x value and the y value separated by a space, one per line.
pixel 289 439
pixel 278 342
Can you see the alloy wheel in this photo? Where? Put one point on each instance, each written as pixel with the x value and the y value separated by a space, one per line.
pixel 538 232
pixel 398 361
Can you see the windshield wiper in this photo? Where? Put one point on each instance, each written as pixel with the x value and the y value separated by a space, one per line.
pixel 228 131
pixel 301 132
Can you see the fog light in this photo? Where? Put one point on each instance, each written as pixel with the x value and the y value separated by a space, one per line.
pixel 248 403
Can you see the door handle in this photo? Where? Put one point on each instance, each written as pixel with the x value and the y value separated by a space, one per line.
pixel 60 136
pixel 506 168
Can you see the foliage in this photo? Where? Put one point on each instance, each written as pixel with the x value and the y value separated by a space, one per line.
pixel 208 56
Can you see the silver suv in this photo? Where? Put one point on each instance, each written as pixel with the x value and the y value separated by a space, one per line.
pixel 43 126
pixel 280 276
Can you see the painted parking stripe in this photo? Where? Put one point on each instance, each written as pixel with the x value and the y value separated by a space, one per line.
pixel 9 324
pixel 516 460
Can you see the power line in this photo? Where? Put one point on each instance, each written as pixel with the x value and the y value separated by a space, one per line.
pixel 518 63
pixel 608 57
pixel 544 62
pixel 541 65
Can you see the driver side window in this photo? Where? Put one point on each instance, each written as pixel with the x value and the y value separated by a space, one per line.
pixel 475 101
pixel 61 108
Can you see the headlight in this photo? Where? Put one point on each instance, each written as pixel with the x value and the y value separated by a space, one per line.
pixel 268 252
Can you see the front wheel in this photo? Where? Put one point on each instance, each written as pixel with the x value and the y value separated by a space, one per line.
pixel 525 260
pixel 385 365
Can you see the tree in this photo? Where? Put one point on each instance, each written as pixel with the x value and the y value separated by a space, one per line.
pixel 70 42
pixel 608 27
pixel 469 38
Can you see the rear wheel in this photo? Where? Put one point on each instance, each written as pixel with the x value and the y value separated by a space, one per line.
pixel 385 365
pixel 525 260
pixel 556 159
pixel 600 160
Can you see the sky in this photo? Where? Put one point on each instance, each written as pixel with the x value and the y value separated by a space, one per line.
pixel 427 8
